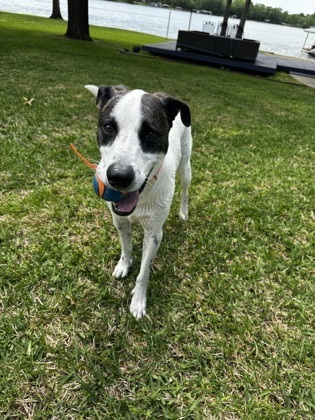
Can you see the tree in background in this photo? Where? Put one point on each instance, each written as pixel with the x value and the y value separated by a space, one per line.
pixel 226 17
pixel 56 14
pixel 78 20
pixel 241 25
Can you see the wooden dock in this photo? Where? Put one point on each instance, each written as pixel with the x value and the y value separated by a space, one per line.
pixel 265 64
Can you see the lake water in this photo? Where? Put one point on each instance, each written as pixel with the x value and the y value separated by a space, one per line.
pixel 166 23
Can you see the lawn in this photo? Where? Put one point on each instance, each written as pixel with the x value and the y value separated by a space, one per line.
pixel 230 326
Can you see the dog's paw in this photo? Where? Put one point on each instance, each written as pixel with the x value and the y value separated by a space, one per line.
pixel 183 214
pixel 122 268
pixel 138 303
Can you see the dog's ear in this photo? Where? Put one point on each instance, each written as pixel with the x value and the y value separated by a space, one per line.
pixel 105 93
pixel 173 106
pixel 92 88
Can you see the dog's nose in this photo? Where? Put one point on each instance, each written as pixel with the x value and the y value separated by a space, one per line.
pixel 120 177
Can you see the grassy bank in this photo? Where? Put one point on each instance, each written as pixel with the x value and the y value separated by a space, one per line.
pixel 230 332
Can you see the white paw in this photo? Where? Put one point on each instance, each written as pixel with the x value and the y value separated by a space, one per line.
pixel 183 214
pixel 138 302
pixel 122 268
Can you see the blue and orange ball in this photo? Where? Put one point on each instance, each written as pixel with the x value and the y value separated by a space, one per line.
pixel 104 192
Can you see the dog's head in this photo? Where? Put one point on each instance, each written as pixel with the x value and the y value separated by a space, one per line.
pixel 132 135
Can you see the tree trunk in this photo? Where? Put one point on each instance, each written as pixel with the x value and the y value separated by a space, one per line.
pixel 226 17
pixel 78 20
pixel 240 29
pixel 56 14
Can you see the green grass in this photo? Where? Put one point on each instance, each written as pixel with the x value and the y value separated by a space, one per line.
pixel 230 333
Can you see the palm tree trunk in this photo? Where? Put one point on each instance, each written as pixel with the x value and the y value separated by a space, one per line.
pixel 226 17
pixel 78 20
pixel 240 29
pixel 56 14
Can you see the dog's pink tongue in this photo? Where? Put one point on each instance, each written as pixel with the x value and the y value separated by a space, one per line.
pixel 128 202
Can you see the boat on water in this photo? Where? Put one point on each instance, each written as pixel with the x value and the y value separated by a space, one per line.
pixel 310 51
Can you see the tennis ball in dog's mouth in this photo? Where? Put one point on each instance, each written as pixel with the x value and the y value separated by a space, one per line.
pixel 104 192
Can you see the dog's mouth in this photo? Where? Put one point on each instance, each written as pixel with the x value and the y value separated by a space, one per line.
pixel 128 203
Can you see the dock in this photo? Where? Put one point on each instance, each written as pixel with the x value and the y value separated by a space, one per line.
pixel 266 64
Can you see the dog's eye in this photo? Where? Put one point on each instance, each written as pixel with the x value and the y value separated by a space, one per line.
pixel 108 127
pixel 150 135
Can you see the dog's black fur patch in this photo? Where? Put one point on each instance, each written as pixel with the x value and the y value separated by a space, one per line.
pixel 104 136
pixel 155 125
pixel 105 93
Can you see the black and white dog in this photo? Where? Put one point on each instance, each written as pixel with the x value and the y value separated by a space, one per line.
pixel 143 140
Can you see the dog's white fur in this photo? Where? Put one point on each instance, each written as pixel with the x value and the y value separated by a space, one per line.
pixel 154 203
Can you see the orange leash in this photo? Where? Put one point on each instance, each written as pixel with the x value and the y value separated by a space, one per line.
pixel 89 164
pixel 100 188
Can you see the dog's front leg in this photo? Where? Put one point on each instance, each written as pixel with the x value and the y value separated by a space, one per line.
pixel 123 227
pixel 151 244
